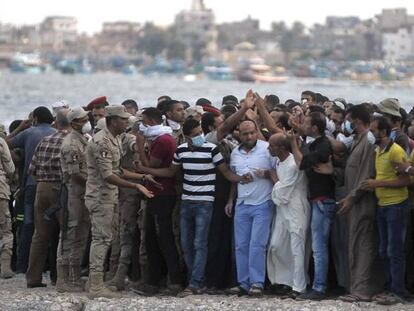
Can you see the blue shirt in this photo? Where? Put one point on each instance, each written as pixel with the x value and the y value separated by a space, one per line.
pixel 28 141
pixel 242 162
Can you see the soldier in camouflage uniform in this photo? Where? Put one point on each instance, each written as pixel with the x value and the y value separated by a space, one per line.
pixel 6 236
pixel 104 177
pixel 74 234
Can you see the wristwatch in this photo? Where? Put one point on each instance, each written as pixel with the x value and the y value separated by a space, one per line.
pixel 143 178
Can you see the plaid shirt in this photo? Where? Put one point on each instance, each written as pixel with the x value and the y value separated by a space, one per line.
pixel 45 165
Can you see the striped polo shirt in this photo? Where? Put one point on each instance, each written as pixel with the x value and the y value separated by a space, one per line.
pixel 199 167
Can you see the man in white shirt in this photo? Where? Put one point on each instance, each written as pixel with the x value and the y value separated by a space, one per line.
pixel 253 211
pixel 287 256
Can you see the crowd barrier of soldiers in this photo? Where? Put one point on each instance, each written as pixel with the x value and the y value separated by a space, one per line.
pixel 305 200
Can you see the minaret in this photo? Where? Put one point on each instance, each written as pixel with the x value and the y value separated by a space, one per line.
pixel 198 5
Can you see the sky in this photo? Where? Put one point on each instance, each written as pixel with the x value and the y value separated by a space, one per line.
pixel 92 13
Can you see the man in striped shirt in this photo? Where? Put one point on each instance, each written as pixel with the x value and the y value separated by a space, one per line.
pixel 198 160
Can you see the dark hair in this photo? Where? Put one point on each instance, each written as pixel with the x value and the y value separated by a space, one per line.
pixel 14 125
pixel 272 100
pixel 311 94
pixel 207 120
pixel 360 112
pixel 168 105
pixel 292 104
pixel 369 107
pixel 228 110
pixel 319 120
pixel 383 124
pixel 230 99
pixel 319 98
pixel 202 102
pixel 185 104
pixel 153 114
pixel 290 101
pixel 280 107
pixel 189 125
pixel 336 109
pixel 163 98
pixel 43 115
pixel 284 121
pixel 130 102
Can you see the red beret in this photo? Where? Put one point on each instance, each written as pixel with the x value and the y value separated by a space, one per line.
pixel 97 102
pixel 212 110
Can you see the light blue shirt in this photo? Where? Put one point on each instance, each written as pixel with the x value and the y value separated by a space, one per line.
pixel 242 162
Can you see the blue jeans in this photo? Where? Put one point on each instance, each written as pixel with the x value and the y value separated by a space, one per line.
pixel 251 231
pixel 392 227
pixel 323 215
pixel 195 217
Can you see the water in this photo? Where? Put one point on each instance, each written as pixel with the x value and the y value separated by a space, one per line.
pixel 21 93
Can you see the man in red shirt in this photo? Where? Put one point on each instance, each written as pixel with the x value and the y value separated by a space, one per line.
pixel 159 237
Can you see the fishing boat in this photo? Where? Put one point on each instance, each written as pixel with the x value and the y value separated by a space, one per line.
pixel 255 70
pixel 27 63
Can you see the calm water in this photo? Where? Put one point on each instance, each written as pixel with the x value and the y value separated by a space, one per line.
pixel 20 93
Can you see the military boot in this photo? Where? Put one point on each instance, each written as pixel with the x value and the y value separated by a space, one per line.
pixel 6 271
pixel 75 282
pixel 119 280
pixel 97 287
pixel 62 271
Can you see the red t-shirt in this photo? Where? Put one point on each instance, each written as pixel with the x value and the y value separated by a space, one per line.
pixel 163 149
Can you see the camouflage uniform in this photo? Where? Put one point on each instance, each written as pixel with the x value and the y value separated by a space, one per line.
pixel 6 236
pixel 103 159
pixel 129 204
pixel 74 236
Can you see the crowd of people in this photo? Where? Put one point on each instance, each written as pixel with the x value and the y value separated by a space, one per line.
pixel 304 199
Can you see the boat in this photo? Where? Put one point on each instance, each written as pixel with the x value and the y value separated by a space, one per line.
pixel 72 66
pixel 216 70
pixel 27 63
pixel 256 70
pixel 130 70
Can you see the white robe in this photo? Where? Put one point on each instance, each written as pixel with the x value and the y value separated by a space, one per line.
pixel 288 255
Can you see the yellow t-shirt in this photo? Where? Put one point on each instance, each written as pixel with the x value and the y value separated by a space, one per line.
pixel 385 171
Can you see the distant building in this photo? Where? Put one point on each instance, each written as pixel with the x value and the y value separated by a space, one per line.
pixel 118 37
pixel 196 29
pixel 58 32
pixel 346 38
pixel 399 44
pixel 393 19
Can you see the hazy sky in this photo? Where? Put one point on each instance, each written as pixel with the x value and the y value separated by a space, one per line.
pixel 91 13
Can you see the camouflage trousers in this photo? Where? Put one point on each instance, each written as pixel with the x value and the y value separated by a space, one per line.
pixel 103 215
pixel 6 235
pixel 75 232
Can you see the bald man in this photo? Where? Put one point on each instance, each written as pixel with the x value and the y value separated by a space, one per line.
pixel 287 257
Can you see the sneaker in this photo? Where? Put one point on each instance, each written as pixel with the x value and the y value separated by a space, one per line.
pixel 237 290
pixel 190 291
pixel 256 291
pixel 312 295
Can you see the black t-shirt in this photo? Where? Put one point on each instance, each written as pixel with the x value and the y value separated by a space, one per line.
pixel 319 151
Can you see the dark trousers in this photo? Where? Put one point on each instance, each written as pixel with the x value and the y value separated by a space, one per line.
pixel 46 231
pixel 159 240
pixel 26 230
pixel 220 268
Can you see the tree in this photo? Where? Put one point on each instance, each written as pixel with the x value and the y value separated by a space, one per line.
pixel 153 40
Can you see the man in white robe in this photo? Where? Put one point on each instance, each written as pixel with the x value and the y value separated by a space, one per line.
pixel 287 258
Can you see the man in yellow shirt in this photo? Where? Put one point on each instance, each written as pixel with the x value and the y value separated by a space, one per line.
pixel 392 194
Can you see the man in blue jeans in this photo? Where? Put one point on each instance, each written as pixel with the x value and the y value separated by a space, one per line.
pixel 392 213
pixel 321 196
pixel 27 137
pixel 198 160
pixel 254 210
